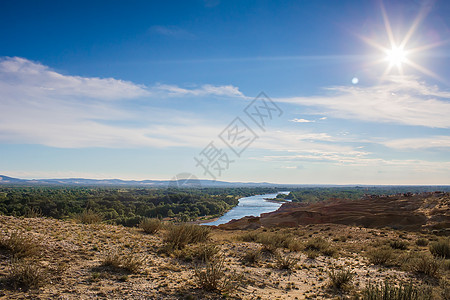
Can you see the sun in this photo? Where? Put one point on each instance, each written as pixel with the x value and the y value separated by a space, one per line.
pixel 397 55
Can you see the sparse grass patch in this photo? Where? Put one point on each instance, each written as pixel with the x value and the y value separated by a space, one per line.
pixel 20 245
pixel 252 257
pixel 89 217
pixel 202 252
pixel 285 262
pixel 213 277
pixel 26 275
pixel 389 291
pixel 381 256
pixel 128 262
pixel 398 244
pixel 422 242
pixel 319 245
pixel 441 248
pixel 178 236
pixel 424 264
pixel 340 279
pixel 150 225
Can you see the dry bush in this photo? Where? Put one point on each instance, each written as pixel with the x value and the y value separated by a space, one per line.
pixel 422 242
pixel 178 236
pixel 424 264
pixel 150 225
pixel 128 262
pixel 319 245
pixel 441 248
pixel 252 257
pixel 285 262
pixel 272 240
pixel 26 275
pixel 20 245
pixel 398 244
pixel 202 252
pixel 213 277
pixel 381 256
pixel 89 217
pixel 389 291
pixel 340 279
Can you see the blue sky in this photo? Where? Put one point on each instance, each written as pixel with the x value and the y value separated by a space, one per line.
pixel 141 89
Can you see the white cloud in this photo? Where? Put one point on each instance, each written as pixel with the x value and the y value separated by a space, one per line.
pixel 302 121
pixel 41 106
pixel 401 100
pixel 20 77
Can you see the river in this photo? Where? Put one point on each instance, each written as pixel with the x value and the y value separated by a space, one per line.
pixel 249 206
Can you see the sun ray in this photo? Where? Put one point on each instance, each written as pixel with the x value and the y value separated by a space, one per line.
pixel 422 14
pixel 387 25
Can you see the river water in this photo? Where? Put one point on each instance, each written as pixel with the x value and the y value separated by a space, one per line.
pixel 249 206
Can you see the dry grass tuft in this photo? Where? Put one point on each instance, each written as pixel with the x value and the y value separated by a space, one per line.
pixel 150 225
pixel 285 262
pixel 213 277
pixel 381 256
pixel 389 291
pixel 89 217
pixel 128 262
pixel 26 275
pixel 20 245
pixel 340 279
pixel 178 236
pixel 441 248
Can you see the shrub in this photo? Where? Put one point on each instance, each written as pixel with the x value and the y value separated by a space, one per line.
pixel 381 256
pixel 422 242
pixel 26 275
pixel 319 245
pixel 285 262
pixel 389 291
pixel 150 225
pixel 252 257
pixel 340 279
pixel 178 236
pixel 441 248
pixel 20 245
pixel 424 264
pixel 127 262
pixel 213 277
pixel 397 244
pixel 203 252
pixel 89 217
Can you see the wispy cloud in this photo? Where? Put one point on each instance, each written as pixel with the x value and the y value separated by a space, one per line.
pixel 207 89
pixel 441 142
pixel 172 31
pixel 41 106
pixel 401 100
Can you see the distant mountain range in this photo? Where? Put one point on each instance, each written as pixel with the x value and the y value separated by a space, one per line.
pixel 5 180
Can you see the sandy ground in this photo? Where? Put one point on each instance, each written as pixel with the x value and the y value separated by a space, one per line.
pixel 72 255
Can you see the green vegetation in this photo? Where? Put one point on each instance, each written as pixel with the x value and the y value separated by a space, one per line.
pixel 125 206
